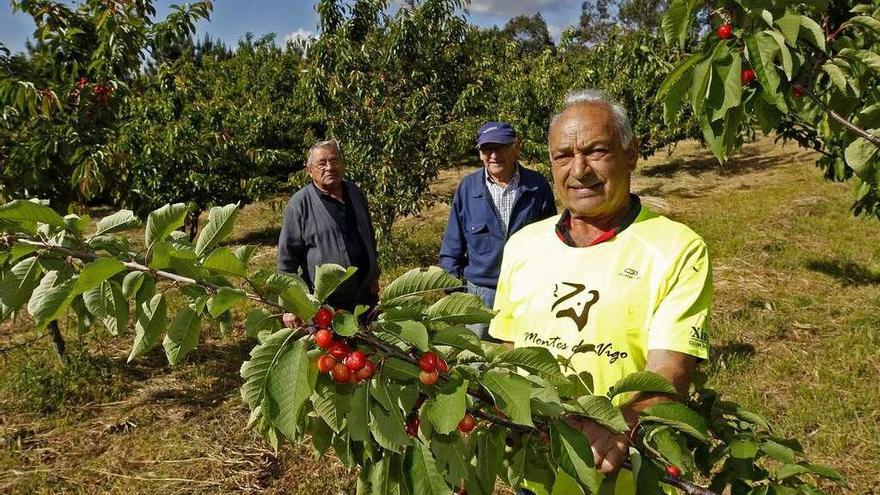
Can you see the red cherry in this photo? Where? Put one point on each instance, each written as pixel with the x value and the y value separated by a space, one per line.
pixel 354 379
pixel 428 377
pixel 340 373
pixel 748 77
pixel 467 423
pixel 323 338
pixel 673 471
pixel 326 363
pixel 355 360
pixel 323 317
pixel 428 361
pixel 412 426
pixel 339 350
pixel 82 82
pixel 797 92
pixel 725 31
pixel 442 367
pixel 367 371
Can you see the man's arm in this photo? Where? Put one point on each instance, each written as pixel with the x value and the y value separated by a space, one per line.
pixel 609 448
pixel 291 247
pixel 453 249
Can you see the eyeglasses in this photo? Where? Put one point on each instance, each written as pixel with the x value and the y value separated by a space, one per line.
pixel 326 164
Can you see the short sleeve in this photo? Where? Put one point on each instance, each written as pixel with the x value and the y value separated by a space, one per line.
pixel 680 320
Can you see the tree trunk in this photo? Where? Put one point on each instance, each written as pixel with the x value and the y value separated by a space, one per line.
pixel 58 340
pixel 194 224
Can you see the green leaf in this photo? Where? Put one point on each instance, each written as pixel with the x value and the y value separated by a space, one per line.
pixel 458 337
pixel 678 416
pixel 642 381
pixel 421 469
pixel 460 308
pixel 826 472
pixel 387 427
pixel 835 73
pixel 671 447
pixel 359 416
pixel 328 278
pixel 452 454
pixel 447 408
pixel 601 410
pixel 411 332
pixel 19 282
pixel 291 383
pixel 417 282
pixel 182 336
pixel 96 272
pixel 781 453
pixel 76 224
pixel 726 80
pixel 260 320
pixel 537 360
pixel 19 251
pixel 677 21
pixel 762 50
pixel 675 88
pixel 866 22
pixel 117 222
pixel 345 324
pixel 221 221
pixel 151 321
pixel 255 371
pixel 297 300
pixel 866 57
pixel 511 393
pixel 27 211
pixel 222 260
pixel 116 320
pixel 244 253
pixel 790 25
pixel 489 454
pixel 572 453
pixel 701 79
pixel 132 283
pixel 161 222
pixel 813 32
pixel 784 53
pixel 331 406
pixel 862 156
pixel 397 369
pixel 49 299
pixel 225 298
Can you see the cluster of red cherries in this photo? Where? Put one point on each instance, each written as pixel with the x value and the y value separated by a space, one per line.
pixel 345 365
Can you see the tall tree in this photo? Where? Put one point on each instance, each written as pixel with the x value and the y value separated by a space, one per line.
pixel 600 18
pixel 530 33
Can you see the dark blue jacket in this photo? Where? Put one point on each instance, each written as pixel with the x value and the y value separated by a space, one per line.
pixel 473 242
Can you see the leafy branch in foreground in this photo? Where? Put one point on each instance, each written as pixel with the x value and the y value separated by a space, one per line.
pixel 435 409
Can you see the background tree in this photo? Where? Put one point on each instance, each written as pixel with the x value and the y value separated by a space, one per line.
pixel 530 34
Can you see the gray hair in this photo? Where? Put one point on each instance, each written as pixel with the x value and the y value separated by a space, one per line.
pixel 621 119
pixel 329 143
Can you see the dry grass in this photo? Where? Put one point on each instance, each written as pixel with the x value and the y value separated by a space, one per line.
pixel 796 334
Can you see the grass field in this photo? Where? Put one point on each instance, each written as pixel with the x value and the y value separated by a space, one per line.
pixel 795 335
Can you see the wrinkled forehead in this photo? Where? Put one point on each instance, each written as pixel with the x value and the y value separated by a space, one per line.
pixel 582 123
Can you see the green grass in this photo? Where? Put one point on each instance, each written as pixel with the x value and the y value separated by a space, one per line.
pixel 795 335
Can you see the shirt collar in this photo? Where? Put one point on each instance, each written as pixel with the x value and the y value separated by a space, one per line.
pixel 563 226
pixel 513 180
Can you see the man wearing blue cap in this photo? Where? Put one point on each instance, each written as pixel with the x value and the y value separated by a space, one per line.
pixel 488 207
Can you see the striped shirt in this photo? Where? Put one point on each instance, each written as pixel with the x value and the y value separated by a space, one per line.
pixel 503 197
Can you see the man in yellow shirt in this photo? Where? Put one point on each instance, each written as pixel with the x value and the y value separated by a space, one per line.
pixel 607 272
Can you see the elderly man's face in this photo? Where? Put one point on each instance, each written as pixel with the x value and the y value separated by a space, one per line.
pixel 499 159
pixel 326 168
pixel 591 168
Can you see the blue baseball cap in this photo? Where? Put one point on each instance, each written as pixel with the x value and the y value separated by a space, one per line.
pixel 495 132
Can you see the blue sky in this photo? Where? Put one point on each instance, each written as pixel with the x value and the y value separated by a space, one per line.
pixel 233 18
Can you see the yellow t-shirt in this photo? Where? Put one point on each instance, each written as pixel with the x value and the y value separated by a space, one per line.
pixel 649 287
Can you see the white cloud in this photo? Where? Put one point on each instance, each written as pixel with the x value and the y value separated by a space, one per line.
pixel 511 8
pixel 299 35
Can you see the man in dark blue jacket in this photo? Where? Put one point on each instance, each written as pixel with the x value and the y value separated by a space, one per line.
pixel 488 207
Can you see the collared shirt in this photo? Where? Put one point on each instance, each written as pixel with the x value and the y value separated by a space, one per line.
pixel 563 226
pixel 503 198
